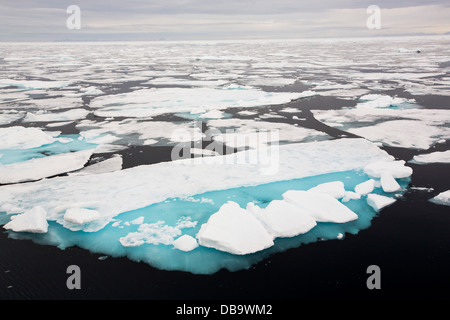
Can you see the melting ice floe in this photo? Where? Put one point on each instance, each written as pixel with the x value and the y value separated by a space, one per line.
pixel 152 102
pixel 311 178
pixel 392 121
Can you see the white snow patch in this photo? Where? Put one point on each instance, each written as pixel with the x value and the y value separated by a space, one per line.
pixel 81 215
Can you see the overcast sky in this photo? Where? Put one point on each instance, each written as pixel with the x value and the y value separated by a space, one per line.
pixel 45 20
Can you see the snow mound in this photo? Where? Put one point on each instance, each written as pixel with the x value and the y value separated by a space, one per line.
pixel 185 243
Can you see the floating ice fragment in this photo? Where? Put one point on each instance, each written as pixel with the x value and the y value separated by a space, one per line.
pixel 350 195
pixel 365 187
pixel 335 189
pixel 185 243
pixel 434 157
pixel 39 168
pixel 73 114
pixel 322 207
pixel 388 183
pixel 395 168
pixel 442 198
pixel 25 138
pixel 234 230
pixel 283 219
pixel 378 202
pixel 34 220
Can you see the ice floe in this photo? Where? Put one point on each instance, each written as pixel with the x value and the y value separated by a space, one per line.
pixel 433 157
pixel 39 168
pixel 141 186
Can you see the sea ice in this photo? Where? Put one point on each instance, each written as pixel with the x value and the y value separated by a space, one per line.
pixel 283 219
pixel 137 187
pixel 335 189
pixel 378 202
pixel 365 187
pixel 39 168
pixel 25 138
pixel 322 207
pixel 234 230
pixel 396 169
pixel 388 182
pixel 442 198
pixel 433 157
pixel 185 243
pixel 80 215
pixel 33 220
pixel 73 114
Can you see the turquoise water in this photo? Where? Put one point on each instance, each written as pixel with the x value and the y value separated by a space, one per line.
pixel 18 155
pixel 199 208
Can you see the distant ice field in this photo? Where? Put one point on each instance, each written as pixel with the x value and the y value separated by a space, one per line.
pixel 87 133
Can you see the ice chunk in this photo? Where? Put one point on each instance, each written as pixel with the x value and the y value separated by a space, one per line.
pixel 34 220
pixel 434 157
pixel 404 133
pixel 73 114
pixel 365 187
pixel 283 219
pixel 234 230
pixel 335 189
pixel 81 215
pixel 378 202
pixel 185 243
pixel 396 169
pixel 442 198
pixel 350 195
pixel 24 138
pixel 388 183
pixel 322 207
pixel 109 165
pixel 39 168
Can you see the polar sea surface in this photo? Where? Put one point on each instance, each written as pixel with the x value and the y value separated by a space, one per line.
pixel 87 130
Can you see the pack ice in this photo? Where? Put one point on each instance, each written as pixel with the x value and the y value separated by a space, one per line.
pixel 201 217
